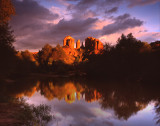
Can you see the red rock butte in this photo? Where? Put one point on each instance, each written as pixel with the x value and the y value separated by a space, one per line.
pixel 68 41
pixel 91 44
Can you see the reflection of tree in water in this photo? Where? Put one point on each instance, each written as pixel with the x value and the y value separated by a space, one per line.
pixel 31 115
pixel 16 112
pixel 124 103
pixel 128 98
pixel 124 98
pixel 157 110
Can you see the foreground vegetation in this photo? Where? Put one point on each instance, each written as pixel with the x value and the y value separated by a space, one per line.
pixel 16 112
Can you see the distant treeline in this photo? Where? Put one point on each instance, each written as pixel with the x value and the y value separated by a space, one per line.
pixel 128 59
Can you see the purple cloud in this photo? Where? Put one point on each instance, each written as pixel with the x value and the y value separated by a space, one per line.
pixel 133 3
pixel 121 23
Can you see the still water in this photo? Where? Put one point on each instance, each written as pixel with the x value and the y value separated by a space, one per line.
pixel 80 102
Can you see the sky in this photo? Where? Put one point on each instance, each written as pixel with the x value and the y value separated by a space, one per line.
pixel 38 22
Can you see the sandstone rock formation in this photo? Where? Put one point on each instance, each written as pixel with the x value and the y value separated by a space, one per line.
pixel 93 44
pixel 78 44
pixel 76 54
pixel 68 41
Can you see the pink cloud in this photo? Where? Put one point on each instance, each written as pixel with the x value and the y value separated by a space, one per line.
pixel 138 32
pixel 101 23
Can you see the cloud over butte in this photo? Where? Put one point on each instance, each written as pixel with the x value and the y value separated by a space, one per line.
pixel 30 20
pixel 38 22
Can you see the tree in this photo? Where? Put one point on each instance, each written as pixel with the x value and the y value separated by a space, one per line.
pixel 28 56
pixel 6 36
pixel 26 62
pixel 128 43
pixel 44 54
pixel 31 115
pixel 7 52
pixel 59 53
pixel 145 47
pixel 6 10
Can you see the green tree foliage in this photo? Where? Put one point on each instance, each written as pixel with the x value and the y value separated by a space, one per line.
pixel 6 10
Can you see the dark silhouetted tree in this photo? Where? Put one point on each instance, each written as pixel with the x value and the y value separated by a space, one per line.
pixel 7 52
pixel 26 62
pixel 128 43
pixel 6 37
pixel 6 10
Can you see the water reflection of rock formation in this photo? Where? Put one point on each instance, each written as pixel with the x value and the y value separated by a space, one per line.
pixel 124 99
pixel 68 91
pixel 123 103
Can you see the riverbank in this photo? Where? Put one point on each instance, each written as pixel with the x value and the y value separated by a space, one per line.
pixel 16 76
